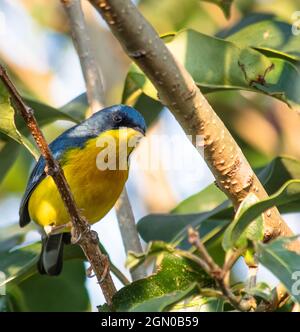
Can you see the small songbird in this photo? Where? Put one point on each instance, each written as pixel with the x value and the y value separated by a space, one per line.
pixel 90 155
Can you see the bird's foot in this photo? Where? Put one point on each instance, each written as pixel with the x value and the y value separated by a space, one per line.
pixel 76 238
pixel 89 272
pixel 50 230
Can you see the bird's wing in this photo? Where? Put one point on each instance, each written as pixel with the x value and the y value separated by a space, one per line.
pixel 72 138
pixel 37 175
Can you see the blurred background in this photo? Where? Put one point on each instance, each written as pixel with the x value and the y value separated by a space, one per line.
pixel 36 47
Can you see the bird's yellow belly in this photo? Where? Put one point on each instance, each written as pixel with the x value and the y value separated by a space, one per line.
pixel 95 191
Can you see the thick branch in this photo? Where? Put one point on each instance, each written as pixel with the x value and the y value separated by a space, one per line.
pixel 95 93
pixel 82 43
pixel 85 237
pixel 178 92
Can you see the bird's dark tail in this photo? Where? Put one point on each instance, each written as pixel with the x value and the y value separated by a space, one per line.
pixel 51 258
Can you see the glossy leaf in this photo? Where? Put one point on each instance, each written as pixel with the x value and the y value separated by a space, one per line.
pixel 282 262
pixel 253 232
pixel 207 199
pixel 271 35
pixel 11 236
pixel 172 228
pixel 173 274
pixel 199 303
pixel 153 249
pixel 289 192
pixel 8 124
pixel 261 290
pixel 46 114
pixel 20 263
pixel 8 154
pixel 217 64
pixel 39 293
pixel 76 108
pixel 160 303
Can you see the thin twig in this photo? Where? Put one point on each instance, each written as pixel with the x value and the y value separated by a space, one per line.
pixel 94 86
pixel 230 259
pixel 207 263
pixel 128 231
pixel 280 296
pixel 81 40
pixel 86 238
pixel 179 93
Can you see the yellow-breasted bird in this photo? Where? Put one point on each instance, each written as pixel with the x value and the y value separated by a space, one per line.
pixel 95 189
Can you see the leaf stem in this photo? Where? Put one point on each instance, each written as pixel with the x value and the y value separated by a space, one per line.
pixel 207 263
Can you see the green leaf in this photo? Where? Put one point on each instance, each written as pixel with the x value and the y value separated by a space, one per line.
pixel 8 154
pixel 172 228
pixel 282 262
pixel 199 303
pixel 39 293
pixel 12 124
pixel 273 36
pixel 7 121
pixel 289 192
pixel 134 96
pixel 253 232
pixel 12 235
pixel 76 108
pixel 207 199
pixel 46 114
pixel 262 291
pixel 278 172
pixel 217 64
pixel 160 303
pixel 20 263
pixel 225 5
pixel 153 249
pixel 173 274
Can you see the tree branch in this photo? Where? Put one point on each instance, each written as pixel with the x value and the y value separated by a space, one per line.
pixel 128 231
pixel 86 238
pixel 82 43
pixel 179 93
pixel 207 263
pixel 95 94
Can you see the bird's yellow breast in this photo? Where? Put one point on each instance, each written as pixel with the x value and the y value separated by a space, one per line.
pixel 95 191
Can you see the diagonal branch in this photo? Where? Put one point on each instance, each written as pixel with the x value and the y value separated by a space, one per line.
pixel 179 93
pixel 94 87
pixel 128 231
pixel 86 238
pixel 82 43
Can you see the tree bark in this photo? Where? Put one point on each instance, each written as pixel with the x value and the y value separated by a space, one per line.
pixel 178 91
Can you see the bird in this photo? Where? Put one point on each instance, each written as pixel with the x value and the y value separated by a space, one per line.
pixel 90 154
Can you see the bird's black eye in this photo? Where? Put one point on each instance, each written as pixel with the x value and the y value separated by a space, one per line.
pixel 117 118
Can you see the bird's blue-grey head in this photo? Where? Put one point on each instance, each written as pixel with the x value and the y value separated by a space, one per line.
pixel 116 117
